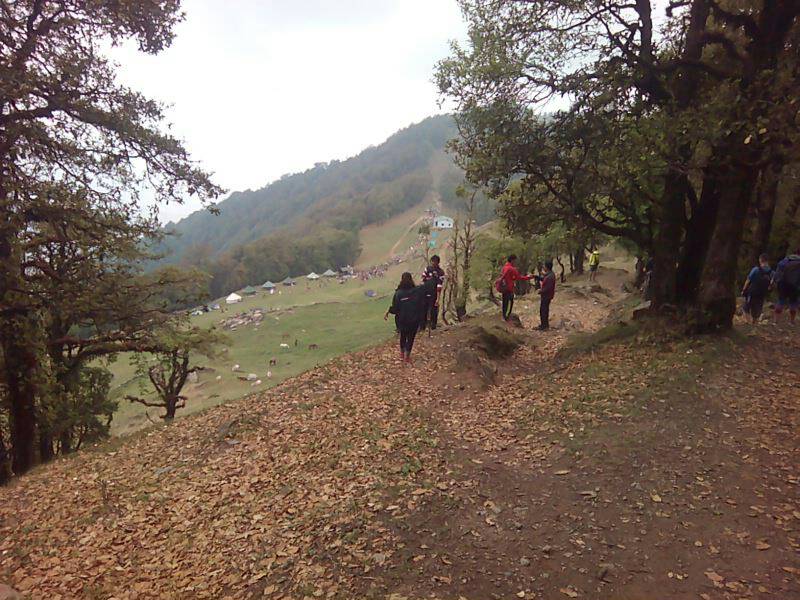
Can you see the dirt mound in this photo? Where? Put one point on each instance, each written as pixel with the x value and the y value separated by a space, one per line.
pixel 496 341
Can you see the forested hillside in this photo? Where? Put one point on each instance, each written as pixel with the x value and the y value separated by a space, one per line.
pixel 310 220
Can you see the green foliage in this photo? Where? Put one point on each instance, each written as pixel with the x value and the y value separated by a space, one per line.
pixel 84 415
pixel 672 121
pixel 78 155
pixel 490 256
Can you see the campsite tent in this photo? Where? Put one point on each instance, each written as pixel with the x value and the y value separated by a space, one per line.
pixel 249 291
pixel 329 273
pixel 233 299
pixel 288 281
pixel 268 285
pixel 312 276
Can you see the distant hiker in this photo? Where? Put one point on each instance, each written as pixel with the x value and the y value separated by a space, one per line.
pixel 756 287
pixel 505 284
pixel 787 280
pixel 432 282
pixel 547 291
pixel 594 264
pixel 407 309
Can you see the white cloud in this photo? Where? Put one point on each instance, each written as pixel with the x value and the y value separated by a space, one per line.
pixel 262 88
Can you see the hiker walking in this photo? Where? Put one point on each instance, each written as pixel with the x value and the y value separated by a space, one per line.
pixel 432 281
pixel 547 291
pixel 594 264
pixel 406 308
pixel 787 280
pixel 505 284
pixel 756 287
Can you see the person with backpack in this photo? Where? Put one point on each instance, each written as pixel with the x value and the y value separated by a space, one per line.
pixel 594 264
pixel 546 292
pixel 407 310
pixel 433 282
pixel 787 280
pixel 756 287
pixel 505 284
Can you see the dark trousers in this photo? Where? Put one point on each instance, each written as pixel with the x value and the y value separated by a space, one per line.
pixel 430 317
pixel 755 306
pixel 407 335
pixel 508 304
pixel 544 312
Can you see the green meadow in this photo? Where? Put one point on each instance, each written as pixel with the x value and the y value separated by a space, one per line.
pixel 337 318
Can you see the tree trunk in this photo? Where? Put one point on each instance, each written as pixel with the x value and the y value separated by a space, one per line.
pixel 561 264
pixel 765 210
pixel 22 370
pixel 698 238
pixel 668 239
pixel 672 209
pixel 578 259
pixel 717 297
pixel 171 405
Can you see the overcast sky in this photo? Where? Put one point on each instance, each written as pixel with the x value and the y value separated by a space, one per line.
pixel 259 88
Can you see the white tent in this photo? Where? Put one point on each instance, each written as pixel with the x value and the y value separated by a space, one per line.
pixel 233 299
pixel 312 276
pixel 329 273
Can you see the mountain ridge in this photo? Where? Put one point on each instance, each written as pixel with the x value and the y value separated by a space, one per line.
pixel 326 188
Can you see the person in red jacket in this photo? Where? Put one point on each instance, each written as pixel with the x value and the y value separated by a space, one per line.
pixel 547 291
pixel 508 276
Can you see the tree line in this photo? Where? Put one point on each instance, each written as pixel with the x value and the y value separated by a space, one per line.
pixel 327 238
pixel 678 135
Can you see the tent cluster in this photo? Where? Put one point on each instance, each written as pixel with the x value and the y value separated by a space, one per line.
pixel 235 298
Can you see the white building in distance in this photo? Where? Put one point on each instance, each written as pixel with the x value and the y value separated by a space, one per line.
pixel 442 222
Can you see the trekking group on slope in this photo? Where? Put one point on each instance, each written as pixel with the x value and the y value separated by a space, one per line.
pixel 416 307
pixel 506 284
pixel 785 279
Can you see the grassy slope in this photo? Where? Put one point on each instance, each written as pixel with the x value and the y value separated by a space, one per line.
pixel 339 318
pixel 377 241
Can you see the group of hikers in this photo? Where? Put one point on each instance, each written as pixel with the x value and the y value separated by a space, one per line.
pixel 785 279
pixel 416 307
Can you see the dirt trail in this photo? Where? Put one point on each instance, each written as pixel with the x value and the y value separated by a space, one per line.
pixel 639 470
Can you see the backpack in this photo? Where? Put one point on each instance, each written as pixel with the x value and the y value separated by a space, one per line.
pixel 791 274
pixel 760 284
pixel 408 306
pixel 501 285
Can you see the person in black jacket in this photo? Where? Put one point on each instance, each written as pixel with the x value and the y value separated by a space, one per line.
pixel 433 282
pixel 407 309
